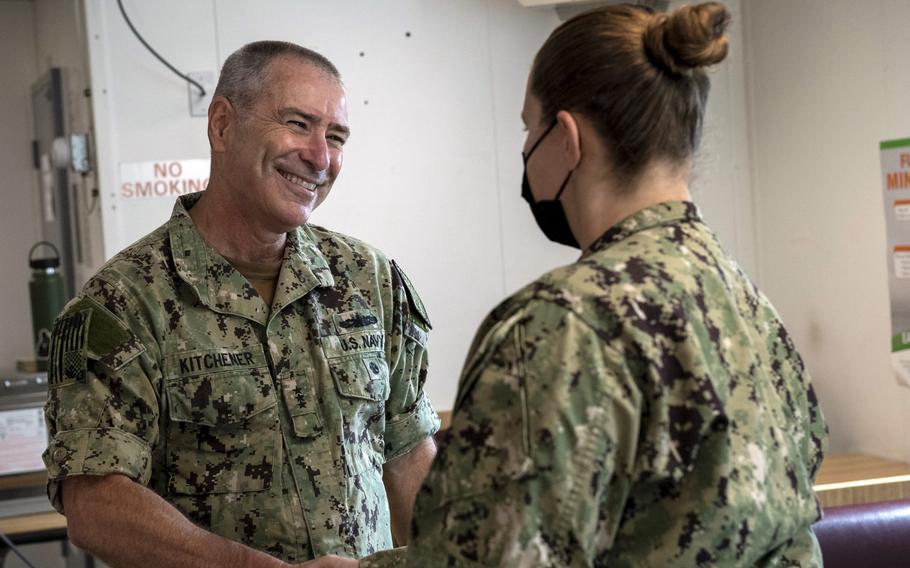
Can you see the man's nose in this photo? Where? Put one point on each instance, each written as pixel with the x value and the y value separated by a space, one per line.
pixel 315 152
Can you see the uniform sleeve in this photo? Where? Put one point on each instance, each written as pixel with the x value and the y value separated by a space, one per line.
pixel 102 410
pixel 535 468
pixel 410 417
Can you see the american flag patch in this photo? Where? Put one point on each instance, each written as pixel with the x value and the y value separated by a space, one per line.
pixel 67 358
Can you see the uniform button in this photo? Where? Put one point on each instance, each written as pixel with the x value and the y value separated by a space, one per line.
pixel 59 454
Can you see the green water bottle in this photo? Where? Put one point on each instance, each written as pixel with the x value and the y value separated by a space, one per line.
pixel 45 289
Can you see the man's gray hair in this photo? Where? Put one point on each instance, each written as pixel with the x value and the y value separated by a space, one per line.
pixel 243 71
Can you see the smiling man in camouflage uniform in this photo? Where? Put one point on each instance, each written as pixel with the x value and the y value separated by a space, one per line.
pixel 241 388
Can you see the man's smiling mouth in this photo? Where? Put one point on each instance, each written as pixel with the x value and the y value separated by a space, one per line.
pixel 298 181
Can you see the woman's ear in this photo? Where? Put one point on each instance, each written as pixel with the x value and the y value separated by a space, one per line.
pixel 571 138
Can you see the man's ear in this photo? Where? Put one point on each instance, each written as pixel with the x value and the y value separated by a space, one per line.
pixel 222 117
pixel 571 138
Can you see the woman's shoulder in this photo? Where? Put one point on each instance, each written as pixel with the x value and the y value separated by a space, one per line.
pixel 611 288
pixel 597 278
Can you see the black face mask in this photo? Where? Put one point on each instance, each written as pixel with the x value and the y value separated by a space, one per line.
pixel 549 214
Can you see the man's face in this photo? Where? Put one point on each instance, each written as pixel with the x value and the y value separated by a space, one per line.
pixel 282 154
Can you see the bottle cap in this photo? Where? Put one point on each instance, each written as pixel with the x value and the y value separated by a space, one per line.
pixel 43 263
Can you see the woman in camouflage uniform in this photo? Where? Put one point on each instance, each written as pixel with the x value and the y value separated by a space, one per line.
pixel 645 405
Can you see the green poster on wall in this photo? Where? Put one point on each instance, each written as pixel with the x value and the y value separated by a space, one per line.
pixel 895 158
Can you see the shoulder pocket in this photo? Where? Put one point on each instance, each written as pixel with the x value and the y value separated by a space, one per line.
pixel 416 334
pixel 414 301
pixel 87 330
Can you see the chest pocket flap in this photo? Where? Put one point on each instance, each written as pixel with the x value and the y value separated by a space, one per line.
pixel 218 386
pixel 356 355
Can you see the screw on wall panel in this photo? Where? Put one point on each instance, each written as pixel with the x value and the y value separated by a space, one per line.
pixel 366 102
pixel 407 34
pixel 87 92
pixel 362 54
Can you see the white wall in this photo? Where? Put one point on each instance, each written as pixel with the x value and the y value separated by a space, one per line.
pixel 18 214
pixel 432 173
pixel 827 82
pixel 721 184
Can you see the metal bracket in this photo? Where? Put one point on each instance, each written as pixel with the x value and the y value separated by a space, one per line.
pixel 72 152
pixel 80 157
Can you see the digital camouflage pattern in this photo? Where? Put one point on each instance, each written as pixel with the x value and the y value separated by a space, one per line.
pixel 268 427
pixel 641 407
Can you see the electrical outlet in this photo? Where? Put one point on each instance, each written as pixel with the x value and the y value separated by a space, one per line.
pixel 199 103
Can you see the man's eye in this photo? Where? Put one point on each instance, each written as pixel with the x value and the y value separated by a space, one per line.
pixel 337 139
pixel 297 123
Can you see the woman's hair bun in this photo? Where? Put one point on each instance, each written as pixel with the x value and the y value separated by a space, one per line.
pixel 688 38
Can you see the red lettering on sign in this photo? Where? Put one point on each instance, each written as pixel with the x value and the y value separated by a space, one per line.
pixel 167 169
pixel 143 189
pixel 898 180
pixel 162 188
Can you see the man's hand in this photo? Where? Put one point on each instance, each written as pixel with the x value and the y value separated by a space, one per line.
pixel 330 561
pixel 126 524
pixel 402 478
